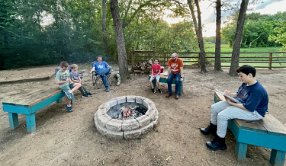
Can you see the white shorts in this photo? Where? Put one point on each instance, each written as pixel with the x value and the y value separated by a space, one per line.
pixel 157 77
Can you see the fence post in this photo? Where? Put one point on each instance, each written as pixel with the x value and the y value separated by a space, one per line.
pixel 132 59
pixel 270 61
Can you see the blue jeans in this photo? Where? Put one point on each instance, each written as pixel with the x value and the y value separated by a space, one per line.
pixel 103 77
pixel 177 78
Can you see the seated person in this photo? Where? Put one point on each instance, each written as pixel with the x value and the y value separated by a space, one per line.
pixel 175 71
pixel 155 75
pixel 102 69
pixel 252 105
pixel 63 81
pixel 76 78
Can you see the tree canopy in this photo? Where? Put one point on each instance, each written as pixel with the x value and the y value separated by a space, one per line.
pixel 257 30
pixel 39 32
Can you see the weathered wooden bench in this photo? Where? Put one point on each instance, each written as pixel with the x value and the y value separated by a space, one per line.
pixel 28 104
pixel 268 133
pixel 164 79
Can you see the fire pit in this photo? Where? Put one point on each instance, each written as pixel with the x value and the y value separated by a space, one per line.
pixel 126 117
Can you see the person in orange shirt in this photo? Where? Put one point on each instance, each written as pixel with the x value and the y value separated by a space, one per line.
pixel 175 71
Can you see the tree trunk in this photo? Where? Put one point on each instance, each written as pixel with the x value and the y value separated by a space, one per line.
pixel 104 37
pixel 122 56
pixel 238 38
pixel 198 29
pixel 217 65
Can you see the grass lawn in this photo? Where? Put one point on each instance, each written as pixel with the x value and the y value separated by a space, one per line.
pixel 261 55
pixel 210 47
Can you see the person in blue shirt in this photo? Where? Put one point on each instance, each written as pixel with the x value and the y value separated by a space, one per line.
pixel 102 69
pixel 252 105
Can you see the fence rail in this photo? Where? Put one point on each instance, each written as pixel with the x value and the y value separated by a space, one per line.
pixel 268 60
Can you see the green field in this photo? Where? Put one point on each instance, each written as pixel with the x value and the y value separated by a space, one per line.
pixel 210 47
pixel 258 57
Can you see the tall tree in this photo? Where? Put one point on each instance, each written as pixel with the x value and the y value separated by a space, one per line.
pixel 217 65
pixel 122 56
pixel 279 35
pixel 199 34
pixel 238 38
pixel 104 32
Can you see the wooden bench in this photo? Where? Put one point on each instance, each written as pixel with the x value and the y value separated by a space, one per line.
pixel 268 133
pixel 164 79
pixel 28 104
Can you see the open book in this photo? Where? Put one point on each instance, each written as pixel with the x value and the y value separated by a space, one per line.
pixel 227 96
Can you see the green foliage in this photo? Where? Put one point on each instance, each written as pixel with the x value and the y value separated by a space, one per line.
pixel 279 34
pixel 257 30
pixel 159 36
pixel 40 32
pixel 71 35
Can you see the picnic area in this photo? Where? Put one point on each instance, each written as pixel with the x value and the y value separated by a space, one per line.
pixel 63 138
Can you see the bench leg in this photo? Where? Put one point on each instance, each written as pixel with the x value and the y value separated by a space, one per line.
pixel 277 158
pixel 31 123
pixel 13 120
pixel 241 149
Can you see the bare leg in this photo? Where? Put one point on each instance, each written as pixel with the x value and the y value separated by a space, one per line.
pixel 76 87
pixel 158 84
pixel 151 82
pixel 68 101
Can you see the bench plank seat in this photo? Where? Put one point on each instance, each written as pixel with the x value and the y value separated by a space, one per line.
pixel 164 78
pixel 28 104
pixel 268 132
pixel 31 98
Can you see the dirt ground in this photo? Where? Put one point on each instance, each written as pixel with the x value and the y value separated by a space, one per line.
pixel 71 138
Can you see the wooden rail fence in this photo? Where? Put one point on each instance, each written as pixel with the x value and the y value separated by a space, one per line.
pixel 268 60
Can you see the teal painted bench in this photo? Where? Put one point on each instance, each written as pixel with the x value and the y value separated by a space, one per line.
pixel 268 133
pixel 164 78
pixel 28 104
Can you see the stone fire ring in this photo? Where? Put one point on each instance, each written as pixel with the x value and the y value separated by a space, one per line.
pixel 126 129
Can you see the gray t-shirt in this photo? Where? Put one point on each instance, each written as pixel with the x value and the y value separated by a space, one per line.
pixel 63 76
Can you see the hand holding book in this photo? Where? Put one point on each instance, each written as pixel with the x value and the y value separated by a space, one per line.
pixel 231 98
pixel 226 94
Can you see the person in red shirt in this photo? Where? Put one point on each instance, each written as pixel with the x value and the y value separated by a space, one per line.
pixel 155 75
pixel 175 71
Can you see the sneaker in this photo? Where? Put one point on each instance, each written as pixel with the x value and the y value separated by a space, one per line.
pixel 159 90
pixel 177 97
pixel 152 90
pixel 107 90
pixel 89 94
pixel 69 108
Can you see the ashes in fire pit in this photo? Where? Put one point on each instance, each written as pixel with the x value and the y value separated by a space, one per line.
pixel 126 117
pixel 127 111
